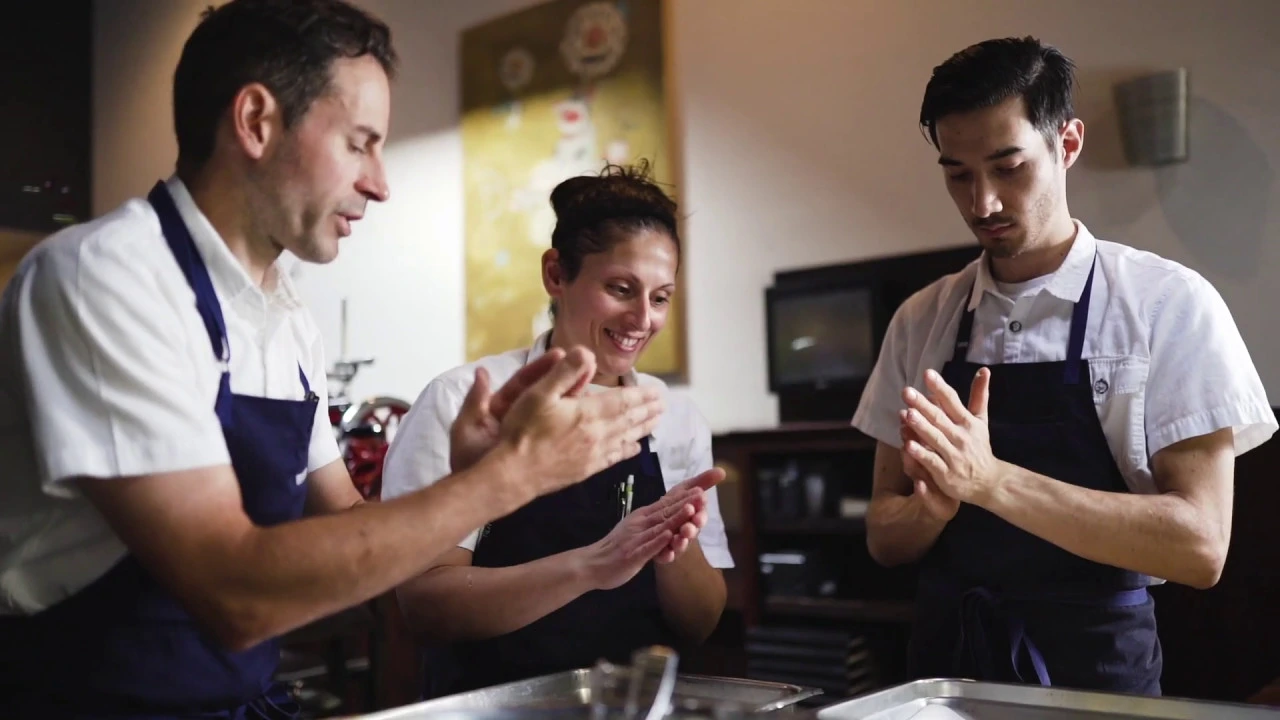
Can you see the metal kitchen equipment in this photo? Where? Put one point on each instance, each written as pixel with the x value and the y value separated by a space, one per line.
pixel 648 689
pixel 992 701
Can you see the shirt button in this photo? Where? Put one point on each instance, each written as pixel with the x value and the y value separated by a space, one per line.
pixel 1015 326
pixel 1101 387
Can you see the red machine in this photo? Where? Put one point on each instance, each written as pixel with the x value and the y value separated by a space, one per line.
pixel 364 429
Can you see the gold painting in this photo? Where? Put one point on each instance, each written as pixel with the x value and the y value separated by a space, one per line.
pixel 549 93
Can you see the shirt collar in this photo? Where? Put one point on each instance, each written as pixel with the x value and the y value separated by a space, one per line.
pixel 1066 283
pixel 229 277
pixel 541 344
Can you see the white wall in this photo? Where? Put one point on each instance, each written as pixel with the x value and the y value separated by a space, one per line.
pixel 800 147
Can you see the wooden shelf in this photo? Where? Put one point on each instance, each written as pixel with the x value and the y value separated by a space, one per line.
pixel 744 453
pixel 840 608
pixel 801 438
pixel 815 526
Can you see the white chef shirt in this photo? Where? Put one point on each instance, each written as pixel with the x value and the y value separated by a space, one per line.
pixel 419 454
pixel 106 370
pixel 1166 361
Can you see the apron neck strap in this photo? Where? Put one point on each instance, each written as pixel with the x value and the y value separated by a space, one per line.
pixel 963 335
pixel 1079 321
pixel 184 251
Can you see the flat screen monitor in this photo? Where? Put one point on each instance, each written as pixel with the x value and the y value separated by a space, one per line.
pixel 820 337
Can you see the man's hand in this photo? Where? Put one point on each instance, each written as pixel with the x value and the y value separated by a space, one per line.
pixel 475 430
pixel 951 441
pixel 937 503
pixel 562 436
pixel 910 466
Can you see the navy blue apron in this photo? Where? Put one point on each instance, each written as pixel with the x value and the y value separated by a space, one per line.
pixel 997 603
pixel 602 624
pixel 124 647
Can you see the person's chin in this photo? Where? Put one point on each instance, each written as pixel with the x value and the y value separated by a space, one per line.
pixel 611 364
pixel 320 253
pixel 329 255
pixel 1003 247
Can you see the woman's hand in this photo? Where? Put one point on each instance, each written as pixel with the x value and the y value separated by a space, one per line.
pixel 659 532
pixel 690 529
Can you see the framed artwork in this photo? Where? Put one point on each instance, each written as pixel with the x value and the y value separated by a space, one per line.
pixel 548 93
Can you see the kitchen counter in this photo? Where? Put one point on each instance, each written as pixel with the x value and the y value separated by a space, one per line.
pixel 969 700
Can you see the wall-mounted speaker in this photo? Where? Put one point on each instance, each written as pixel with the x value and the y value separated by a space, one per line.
pixel 1152 111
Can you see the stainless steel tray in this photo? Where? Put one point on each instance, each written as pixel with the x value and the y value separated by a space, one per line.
pixel 969 700
pixel 573 690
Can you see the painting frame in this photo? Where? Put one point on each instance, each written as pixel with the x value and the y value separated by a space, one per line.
pixel 499 269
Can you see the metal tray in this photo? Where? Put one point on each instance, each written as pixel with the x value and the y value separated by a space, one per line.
pixel 969 700
pixel 572 690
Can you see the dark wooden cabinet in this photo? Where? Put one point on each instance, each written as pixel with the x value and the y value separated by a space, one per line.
pixel 815 609
pixel 47 120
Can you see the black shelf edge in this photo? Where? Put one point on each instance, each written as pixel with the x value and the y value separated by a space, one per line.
pixel 815 526
pixel 840 608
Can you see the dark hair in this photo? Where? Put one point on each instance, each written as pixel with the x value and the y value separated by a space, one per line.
pixel 593 213
pixel 287 45
pixel 994 71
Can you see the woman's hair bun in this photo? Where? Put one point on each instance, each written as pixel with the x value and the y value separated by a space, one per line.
pixel 618 192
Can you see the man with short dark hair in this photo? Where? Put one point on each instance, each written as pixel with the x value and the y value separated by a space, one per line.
pixel 173 497
pixel 1058 422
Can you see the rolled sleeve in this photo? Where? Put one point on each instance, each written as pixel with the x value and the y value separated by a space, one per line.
pixel 113 391
pixel 1202 378
pixel 877 412
pixel 324 443
pixel 712 538
pixel 419 454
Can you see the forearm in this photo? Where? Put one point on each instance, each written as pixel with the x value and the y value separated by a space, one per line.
pixel 290 574
pixel 1162 535
pixel 462 602
pixel 899 529
pixel 692 594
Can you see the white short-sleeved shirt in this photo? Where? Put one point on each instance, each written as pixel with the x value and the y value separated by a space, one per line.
pixel 419 455
pixel 106 370
pixel 1166 360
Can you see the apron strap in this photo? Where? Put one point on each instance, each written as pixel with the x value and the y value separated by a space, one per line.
pixel 193 268
pixel 1079 321
pixel 192 265
pixel 1019 641
pixel 963 335
pixel 306 386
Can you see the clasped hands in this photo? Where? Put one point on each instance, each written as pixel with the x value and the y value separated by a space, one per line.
pixel 573 435
pixel 946 446
pixel 562 433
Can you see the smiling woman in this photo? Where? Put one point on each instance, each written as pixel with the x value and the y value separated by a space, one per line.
pixel 611 269
pixel 629 557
